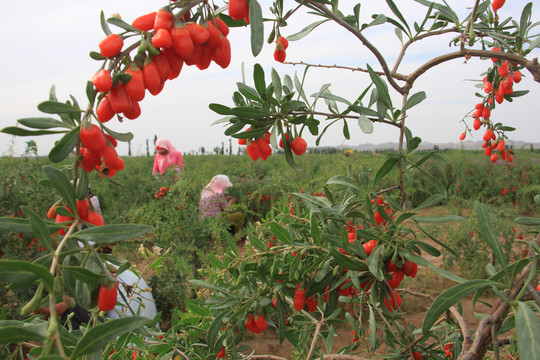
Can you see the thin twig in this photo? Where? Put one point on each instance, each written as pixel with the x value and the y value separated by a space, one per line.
pixel 315 338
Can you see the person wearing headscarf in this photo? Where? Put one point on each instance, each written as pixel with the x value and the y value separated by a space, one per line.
pixel 214 203
pixel 167 156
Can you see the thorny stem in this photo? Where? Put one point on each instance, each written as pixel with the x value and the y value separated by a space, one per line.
pixel 363 39
pixel 495 317
pixel 353 69
pixel 314 341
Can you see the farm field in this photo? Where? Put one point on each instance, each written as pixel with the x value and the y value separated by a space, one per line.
pixel 264 190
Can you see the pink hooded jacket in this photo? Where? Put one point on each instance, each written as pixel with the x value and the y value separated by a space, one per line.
pixel 163 162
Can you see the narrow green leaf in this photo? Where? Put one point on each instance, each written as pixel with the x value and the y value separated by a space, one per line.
pixel 85 275
pixel 122 24
pixel 12 331
pixel 42 123
pixel 256 26
pixel 381 87
pixel 21 225
pixel 385 168
pixel 488 233
pixel 528 328
pixel 423 262
pixel 305 31
pixel 81 192
pixel 247 112
pixel 431 201
pixel 17 131
pixel 529 221
pixel 39 228
pixel 438 219
pixel 276 83
pixel 220 109
pixel 396 11
pixel 362 110
pixel 11 269
pixel 346 261
pixel 61 183
pixel 215 328
pixel 451 296
pixel 248 92
pixel 64 146
pixel 55 107
pixel 344 181
pixel 90 93
pixel 112 233
pixel 207 285
pixel 231 243
pixel 365 124
pixel 124 137
pixel 97 337
pixel 414 99
pixel 281 233
pixel 104 25
pixel 258 79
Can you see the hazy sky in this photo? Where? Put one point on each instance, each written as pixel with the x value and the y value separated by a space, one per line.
pixel 47 43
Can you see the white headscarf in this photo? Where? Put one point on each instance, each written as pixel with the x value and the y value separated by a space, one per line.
pixel 217 185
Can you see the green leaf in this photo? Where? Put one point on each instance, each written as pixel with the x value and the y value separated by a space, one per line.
pixel 256 26
pixel 451 296
pixel 247 112
pixel 528 328
pixel 215 328
pixel 431 201
pixel 362 110
pixel 346 261
pixel 529 221
pixel 414 99
pixel 248 92
pixel 23 225
pixel 81 192
pixel 112 233
pixel 396 11
pixel 344 181
pixel 104 25
pixel 281 233
pixel 55 107
pixel 423 262
pixel 207 285
pixel 85 275
pixel 220 109
pixel 365 124
pixel 438 219
pixel 122 24
pixel 384 170
pixel 258 78
pixel 39 228
pixel 17 131
pixel 12 331
pixel 488 233
pixel 10 270
pixel 42 123
pixel 97 337
pixel 231 243
pixel 276 83
pixel 61 183
pixel 90 93
pixel 124 137
pixel 381 87
pixel 305 31
pixel 64 146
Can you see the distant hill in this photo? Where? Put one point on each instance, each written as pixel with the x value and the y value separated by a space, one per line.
pixel 466 145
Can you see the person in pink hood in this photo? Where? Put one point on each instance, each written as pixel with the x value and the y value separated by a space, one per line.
pixel 167 156
pixel 214 203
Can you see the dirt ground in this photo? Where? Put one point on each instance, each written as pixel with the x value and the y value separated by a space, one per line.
pixel 414 308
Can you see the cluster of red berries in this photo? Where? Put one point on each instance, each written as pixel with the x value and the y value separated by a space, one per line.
pixel 301 300
pixel 83 213
pixel 497 84
pixel 173 42
pixel 160 193
pixel 257 325
pixel 98 151
pixel 257 147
